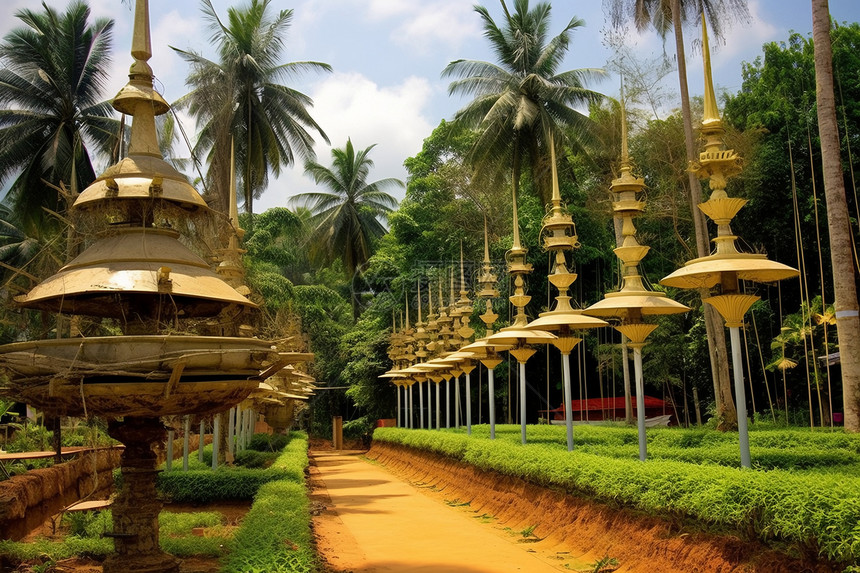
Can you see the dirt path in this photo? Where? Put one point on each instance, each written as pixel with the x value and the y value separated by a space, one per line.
pixel 374 522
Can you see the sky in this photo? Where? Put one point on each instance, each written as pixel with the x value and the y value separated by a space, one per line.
pixel 387 56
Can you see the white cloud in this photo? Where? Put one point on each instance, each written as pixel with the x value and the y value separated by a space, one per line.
pixel 349 105
pixel 422 26
pixel 449 23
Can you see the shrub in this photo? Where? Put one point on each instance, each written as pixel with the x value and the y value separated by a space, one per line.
pixel 253 459
pixel 268 443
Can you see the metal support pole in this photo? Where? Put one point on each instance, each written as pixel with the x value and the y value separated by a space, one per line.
pixel 397 390
pixel 186 431
pixel 410 406
pixel 438 408
pixel 429 409
pixel 468 403
pixel 420 406
pixel 523 401
pixel 491 397
pixel 740 394
pixel 170 437
pixel 447 403
pixel 568 413
pixel 200 444
pixel 231 431
pixel 216 436
pixel 640 401
pixel 456 401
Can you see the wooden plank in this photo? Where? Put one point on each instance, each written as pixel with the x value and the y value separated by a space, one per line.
pixel 89 505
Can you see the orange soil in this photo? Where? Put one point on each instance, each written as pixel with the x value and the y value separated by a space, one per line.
pixel 566 529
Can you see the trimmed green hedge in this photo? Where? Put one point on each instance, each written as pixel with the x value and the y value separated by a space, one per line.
pixel 817 511
pixel 202 486
pixel 275 536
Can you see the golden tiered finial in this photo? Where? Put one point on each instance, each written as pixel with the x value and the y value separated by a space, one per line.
pixel 633 301
pixel 488 285
pixel 464 303
pixel 421 335
pixel 727 267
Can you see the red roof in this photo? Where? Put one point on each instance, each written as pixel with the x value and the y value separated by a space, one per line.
pixel 616 403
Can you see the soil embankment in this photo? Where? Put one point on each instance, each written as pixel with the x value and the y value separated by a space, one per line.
pixel 563 523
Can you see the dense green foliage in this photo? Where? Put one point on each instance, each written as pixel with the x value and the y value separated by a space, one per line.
pixel 86 537
pixel 275 535
pixel 55 69
pixel 238 99
pixel 237 483
pixel 816 511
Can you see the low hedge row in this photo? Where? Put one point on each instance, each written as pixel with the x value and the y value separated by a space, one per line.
pixel 275 535
pixel 817 511
pixel 200 486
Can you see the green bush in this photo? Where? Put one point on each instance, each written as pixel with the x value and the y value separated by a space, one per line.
pixel 268 443
pixel 254 459
pixel 275 536
pixel 817 511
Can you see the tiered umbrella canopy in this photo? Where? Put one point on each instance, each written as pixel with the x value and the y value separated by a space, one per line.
pixel 725 270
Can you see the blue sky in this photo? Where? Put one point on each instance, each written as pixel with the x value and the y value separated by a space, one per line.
pixel 387 57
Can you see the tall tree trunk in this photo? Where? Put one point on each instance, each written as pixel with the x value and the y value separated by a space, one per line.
pixel 713 323
pixel 841 239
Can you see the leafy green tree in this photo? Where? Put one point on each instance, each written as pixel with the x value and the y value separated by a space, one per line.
pixel 348 216
pixel 239 98
pixel 522 102
pixel 52 108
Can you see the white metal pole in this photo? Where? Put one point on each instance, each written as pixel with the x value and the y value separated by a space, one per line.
pixel 523 401
pixel 640 401
pixel 438 408
pixel 200 443
pixel 397 390
pixel 170 438
pixel 410 406
pixel 186 430
pixel 456 401
pixel 568 413
pixel 740 394
pixel 429 408
pixel 491 398
pixel 447 403
pixel 216 436
pixel 420 406
pixel 468 403
pixel 231 430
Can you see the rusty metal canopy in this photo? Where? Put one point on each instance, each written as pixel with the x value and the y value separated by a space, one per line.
pixel 706 272
pixel 123 273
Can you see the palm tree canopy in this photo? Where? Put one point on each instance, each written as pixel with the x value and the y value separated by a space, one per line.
pixel 55 69
pixel 241 97
pixel 658 13
pixel 348 216
pixel 523 101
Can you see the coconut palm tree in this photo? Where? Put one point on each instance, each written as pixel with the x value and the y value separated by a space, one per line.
pixel 841 238
pixel 523 101
pixel 51 106
pixel 663 16
pixel 240 96
pixel 348 217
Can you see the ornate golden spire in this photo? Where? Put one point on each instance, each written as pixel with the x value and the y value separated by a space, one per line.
pixel 711 113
